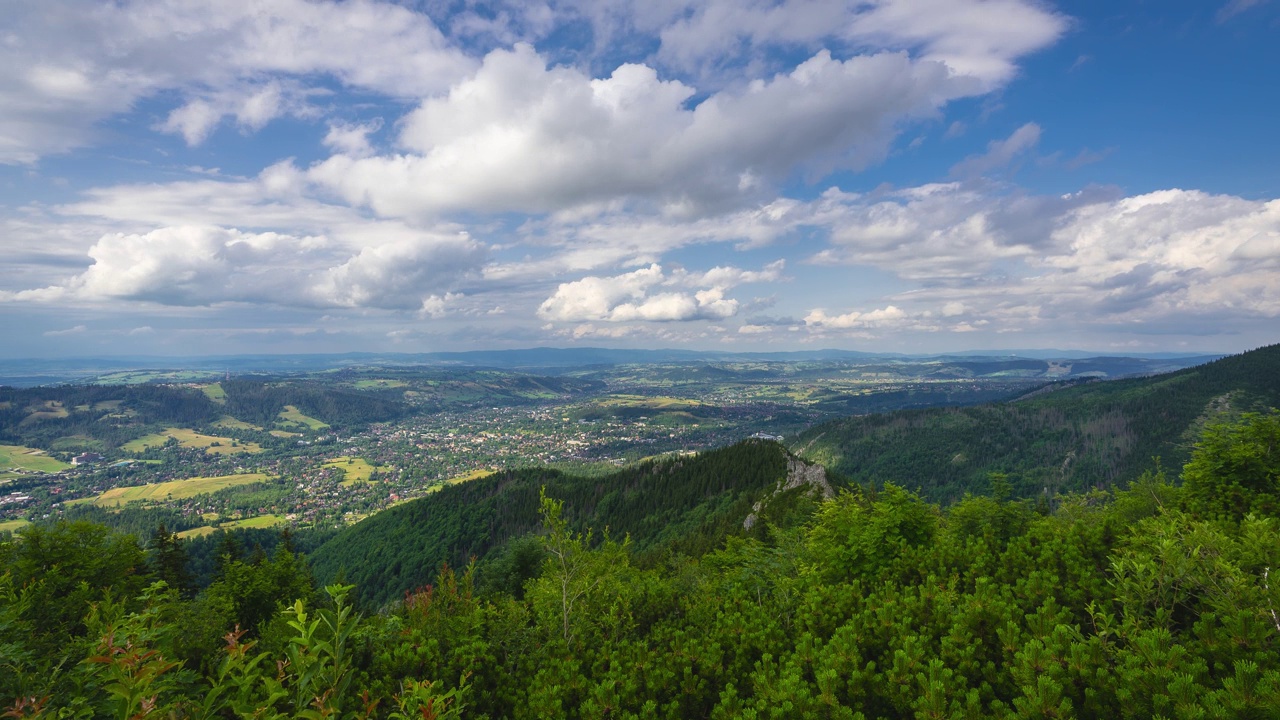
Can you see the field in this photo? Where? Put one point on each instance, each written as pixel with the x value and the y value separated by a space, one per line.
pixel 292 417
pixel 473 475
pixel 355 469
pixel 642 401
pixel 191 439
pixel 230 423
pixel 215 392
pixel 12 525
pixel 137 377
pixel 284 434
pixel 50 410
pixel 17 456
pixel 261 521
pixel 379 383
pixel 172 490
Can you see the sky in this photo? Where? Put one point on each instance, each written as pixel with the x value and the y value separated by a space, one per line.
pixel 194 177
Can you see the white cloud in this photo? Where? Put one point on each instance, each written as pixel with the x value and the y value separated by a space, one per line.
pixel 980 38
pixel 939 233
pixel 394 275
pixel 352 138
pixel 1164 262
pixel 519 136
pixel 70 64
pixel 207 265
pixel 883 317
pixel 629 297
pixel 1000 153
pixel 68 331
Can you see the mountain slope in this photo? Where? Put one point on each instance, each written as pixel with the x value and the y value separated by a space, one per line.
pixel 687 504
pixel 1058 439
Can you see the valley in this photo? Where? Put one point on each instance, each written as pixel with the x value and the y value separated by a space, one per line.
pixel 328 446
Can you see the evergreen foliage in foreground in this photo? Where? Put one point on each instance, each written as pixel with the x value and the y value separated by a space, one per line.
pixel 1152 602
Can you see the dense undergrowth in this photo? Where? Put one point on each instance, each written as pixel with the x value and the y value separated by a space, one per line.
pixel 1153 601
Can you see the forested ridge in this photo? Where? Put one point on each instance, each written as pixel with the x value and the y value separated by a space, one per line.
pixel 682 504
pixel 259 402
pixel 108 414
pixel 1149 602
pixel 1061 439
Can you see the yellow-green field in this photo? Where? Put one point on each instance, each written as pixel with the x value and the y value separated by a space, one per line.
pixel 191 439
pixel 12 525
pixel 49 410
pixel 284 434
pixel 355 469
pixel 644 401
pixel 215 392
pixel 172 490
pixel 293 416
pixel 261 521
pixel 230 423
pixel 473 475
pixel 12 456
pixel 379 383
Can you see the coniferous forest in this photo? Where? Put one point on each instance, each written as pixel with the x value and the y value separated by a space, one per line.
pixel 1152 601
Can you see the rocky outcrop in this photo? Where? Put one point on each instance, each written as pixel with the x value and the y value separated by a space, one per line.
pixel 799 474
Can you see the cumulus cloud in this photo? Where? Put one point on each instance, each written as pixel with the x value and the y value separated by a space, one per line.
pixel 394 275
pixel 882 317
pixel 940 233
pixel 1167 261
pixel 520 136
pixel 209 265
pixel 352 138
pixel 632 297
pixel 70 64
pixel 981 38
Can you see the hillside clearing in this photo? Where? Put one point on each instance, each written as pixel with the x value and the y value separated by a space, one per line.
pixel 188 438
pixel 291 416
pixel 172 490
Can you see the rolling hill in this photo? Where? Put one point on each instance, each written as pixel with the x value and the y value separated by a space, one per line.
pixel 1065 437
pixel 687 504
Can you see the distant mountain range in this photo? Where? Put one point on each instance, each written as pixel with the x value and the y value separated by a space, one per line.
pixel 40 371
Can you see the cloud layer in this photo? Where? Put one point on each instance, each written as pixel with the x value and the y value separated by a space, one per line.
pixel 584 170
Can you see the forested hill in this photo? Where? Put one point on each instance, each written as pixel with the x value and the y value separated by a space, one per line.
pixel 687 504
pixel 1056 440
pixel 260 402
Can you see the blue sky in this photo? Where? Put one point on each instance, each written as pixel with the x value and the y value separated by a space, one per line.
pixel 198 177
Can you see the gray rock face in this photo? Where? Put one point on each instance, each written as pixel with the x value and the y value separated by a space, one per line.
pixel 799 474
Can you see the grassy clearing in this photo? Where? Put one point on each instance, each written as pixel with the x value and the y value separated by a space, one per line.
pixel 173 490
pixel 12 525
pixel 135 377
pixel 76 443
pixel 644 401
pixel 379 383
pixel 49 410
pixel 261 521
pixel 292 416
pixel 284 434
pixel 18 456
pixel 191 439
pixel 215 393
pixel 230 423
pixel 356 469
pixel 473 475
